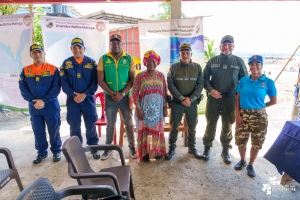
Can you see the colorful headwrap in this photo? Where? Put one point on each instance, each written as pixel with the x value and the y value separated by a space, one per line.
pixel 151 54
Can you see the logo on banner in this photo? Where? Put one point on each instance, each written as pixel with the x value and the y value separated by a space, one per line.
pixel 49 23
pixel 100 26
pixel 27 20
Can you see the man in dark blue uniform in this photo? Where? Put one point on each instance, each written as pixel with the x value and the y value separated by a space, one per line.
pixel 78 77
pixel 39 85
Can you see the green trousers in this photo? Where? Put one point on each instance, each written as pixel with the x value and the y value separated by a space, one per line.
pixel 191 114
pixel 214 108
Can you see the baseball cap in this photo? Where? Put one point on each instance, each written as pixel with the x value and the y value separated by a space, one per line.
pixel 255 58
pixel 36 47
pixel 185 46
pixel 77 41
pixel 227 38
pixel 115 37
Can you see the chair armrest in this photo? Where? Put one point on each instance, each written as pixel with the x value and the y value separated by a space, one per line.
pixel 94 175
pixel 8 156
pixel 103 190
pixel 106 147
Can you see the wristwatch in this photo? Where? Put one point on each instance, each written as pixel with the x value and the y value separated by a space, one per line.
pixel 123 94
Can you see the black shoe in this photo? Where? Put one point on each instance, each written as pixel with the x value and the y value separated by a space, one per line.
pixel 195 153
pixel 39 159
pixel 170 154
pixel 206 153
pixel 157 157
pixel 225 156
pixel 240 165
pixel 56 157
pixel 146 158
pixel 96 155
pixel 132 153
pixel 250 171
pixel 106 154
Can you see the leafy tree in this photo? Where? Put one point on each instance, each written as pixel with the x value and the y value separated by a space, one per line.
pixel 167 12
pixel 9 9
pixel 37 36
pixel 209 50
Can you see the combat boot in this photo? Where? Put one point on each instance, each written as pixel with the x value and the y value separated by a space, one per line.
pixel 206 153
pixel 225 156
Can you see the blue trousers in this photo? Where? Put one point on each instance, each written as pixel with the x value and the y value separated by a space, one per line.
pixel 38 123
pixel 111 110
pixel 90 117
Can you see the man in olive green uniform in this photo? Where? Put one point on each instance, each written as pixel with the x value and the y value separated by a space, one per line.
pixel 185 83
pixel 221 76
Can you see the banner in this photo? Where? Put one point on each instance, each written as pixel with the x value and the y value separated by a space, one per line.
pixel 165 37
pixel 58 33
pixel 15 40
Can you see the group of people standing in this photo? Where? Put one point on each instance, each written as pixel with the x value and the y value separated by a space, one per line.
pixel 232 93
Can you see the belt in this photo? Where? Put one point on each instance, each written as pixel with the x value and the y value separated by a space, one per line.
pixel 227 94
pixel 254 110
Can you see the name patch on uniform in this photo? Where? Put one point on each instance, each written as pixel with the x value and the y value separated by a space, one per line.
pixel 61 73
pixel 37 78
pixel 78 75
pixel 89 66
pixel 215 65
pixel 193 79
pixel 235 67
pixel 30 75
pixel 180 79
pixel 224 66
pixel 47 73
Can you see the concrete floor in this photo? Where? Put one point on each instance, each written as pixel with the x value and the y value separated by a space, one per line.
pixel 183 177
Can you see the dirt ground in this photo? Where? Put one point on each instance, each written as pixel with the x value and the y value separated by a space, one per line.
pixel 184 177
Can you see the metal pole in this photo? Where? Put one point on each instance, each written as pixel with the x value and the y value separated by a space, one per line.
pixel 287 63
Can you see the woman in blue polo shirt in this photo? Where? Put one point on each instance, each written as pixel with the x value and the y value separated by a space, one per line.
pixel 251 116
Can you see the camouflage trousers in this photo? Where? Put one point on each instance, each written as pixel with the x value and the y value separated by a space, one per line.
pixel 255 122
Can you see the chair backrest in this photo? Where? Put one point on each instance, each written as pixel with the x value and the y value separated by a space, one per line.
pixel 40 189
pixel 100 95
pixel 8 156
pixel 75 155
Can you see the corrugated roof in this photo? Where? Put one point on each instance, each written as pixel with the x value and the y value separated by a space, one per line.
pixel 113 18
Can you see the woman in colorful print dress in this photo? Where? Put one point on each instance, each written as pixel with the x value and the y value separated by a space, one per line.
pixel 149 94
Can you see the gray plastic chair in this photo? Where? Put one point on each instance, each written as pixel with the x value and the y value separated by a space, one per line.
pixel 119 177
pixel 41 189
pixel 12 173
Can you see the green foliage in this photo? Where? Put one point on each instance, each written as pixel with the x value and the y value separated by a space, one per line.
pixel 209 50
pixel 37 36
pixel 167 12
pixel 9 9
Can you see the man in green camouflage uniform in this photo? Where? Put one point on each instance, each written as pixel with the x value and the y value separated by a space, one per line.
pixel 221 76
pixel 185 83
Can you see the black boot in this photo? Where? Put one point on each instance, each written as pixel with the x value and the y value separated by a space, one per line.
pixel 225 156
pixel 170 154
pixel 206 153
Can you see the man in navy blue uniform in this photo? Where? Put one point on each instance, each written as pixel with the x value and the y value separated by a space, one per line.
pixel 78 77
pixel 39 85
